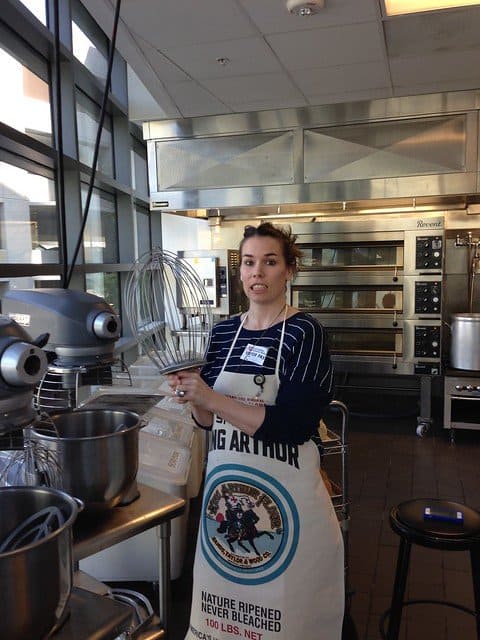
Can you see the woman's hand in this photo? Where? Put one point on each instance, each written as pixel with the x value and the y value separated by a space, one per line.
pixel 188 386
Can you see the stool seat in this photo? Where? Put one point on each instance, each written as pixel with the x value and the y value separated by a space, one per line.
pixel 408 519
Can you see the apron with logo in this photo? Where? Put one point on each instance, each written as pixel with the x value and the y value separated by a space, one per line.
pixel 269 560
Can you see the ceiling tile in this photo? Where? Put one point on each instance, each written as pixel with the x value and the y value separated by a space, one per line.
pixel 169 73
pixel 329 47
pixel 269 86
pixel 349 96
pixel 244 56
pixel 166 23
pixel 194 100
pixel 346 52
pixel 440 67
pixel 262 105
pixel 433 32
pixel 272 16
pixel 354 77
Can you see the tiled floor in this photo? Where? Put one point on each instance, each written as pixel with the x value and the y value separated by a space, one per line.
pixel 389 463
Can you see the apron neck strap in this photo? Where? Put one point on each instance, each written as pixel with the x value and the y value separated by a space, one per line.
pixel 277 364
pixel 233 344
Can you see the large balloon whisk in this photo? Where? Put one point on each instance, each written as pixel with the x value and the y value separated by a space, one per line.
pixel 169 311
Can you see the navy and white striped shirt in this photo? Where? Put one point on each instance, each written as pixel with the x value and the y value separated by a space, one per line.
pixel 306 373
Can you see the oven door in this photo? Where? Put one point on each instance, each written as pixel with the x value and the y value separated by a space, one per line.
pixel 464 412
pixel 364 343
pixel 461 403
pixel 362 313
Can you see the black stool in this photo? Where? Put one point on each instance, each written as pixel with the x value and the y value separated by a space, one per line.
pixel 407 519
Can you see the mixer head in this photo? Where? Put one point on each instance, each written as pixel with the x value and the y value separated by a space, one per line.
pixel 83 327
pixel 22 365
pixel 169 311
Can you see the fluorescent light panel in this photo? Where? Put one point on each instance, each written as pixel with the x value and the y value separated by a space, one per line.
pixel 399 7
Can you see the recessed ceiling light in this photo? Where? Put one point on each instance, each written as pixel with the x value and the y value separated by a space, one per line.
pixel 399 7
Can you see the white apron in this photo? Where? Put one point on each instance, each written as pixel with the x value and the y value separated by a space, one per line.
pixel 269 559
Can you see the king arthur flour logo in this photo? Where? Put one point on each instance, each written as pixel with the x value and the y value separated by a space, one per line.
pixel 250 525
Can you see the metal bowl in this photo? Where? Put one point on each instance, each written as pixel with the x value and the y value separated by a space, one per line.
pixel 36 577
pixel 97 452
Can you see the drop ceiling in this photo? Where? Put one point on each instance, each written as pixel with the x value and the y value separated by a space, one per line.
pixel 210 57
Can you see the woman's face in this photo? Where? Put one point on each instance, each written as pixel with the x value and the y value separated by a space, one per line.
pixel 263 270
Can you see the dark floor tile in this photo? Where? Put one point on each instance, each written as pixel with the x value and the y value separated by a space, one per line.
pixel 461 625
pixel 457 561
pixel 459 588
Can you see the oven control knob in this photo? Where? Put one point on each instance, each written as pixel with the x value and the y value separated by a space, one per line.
pixel 426 264
pixel 434 343
pixel 436 254
pixel 477 388
pixel 435 298
pixel 459 387
pixel 469 387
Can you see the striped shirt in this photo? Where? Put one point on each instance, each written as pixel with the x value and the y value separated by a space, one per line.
pixel 306 373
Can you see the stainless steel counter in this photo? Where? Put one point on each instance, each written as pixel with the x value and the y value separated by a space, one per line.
pixel 94 532
pixel 93 617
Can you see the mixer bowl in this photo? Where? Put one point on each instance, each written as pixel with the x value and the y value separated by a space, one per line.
pixel 97 452
pixel 35 578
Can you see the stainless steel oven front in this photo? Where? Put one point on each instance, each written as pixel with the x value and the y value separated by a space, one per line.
pixel 376 285
pixel 461 401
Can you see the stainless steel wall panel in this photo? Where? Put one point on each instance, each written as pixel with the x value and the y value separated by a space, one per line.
pixel 227 161
pixel 379 149
pixel 403 187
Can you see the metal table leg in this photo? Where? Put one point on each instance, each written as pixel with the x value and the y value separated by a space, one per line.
pixel 424 420
pixel 164 601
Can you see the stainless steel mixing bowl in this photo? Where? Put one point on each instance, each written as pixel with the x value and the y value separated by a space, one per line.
pixel 97 452
pixel 35 577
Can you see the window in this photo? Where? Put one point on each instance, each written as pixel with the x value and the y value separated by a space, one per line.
pixel 100 237
pixel 106 286
pixel 38 8
pixel 88 117
pixel 88 53
pixel 28 217
pixel 25 103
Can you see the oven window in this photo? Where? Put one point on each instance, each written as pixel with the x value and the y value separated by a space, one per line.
pixel 371 299
pixel 364 342
pixel 347 256
pixel 466 410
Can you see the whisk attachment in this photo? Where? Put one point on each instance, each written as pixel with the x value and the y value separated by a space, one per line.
pixel 37 526
pixel 169 311
pixel 32 465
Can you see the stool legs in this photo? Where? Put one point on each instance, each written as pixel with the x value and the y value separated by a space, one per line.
pixel 475 562
pixel 399 589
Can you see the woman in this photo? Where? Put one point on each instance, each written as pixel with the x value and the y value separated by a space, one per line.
pixel 269 558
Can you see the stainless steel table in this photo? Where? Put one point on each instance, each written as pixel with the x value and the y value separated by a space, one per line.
pixel 93 617
pixel 94 532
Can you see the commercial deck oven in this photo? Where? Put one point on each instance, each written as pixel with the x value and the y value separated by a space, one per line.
pixel 376 285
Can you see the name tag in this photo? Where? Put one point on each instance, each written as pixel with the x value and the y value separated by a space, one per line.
pixel 254 353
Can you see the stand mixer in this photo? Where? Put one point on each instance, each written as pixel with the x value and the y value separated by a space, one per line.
pixel 22 365
pixel 83 331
